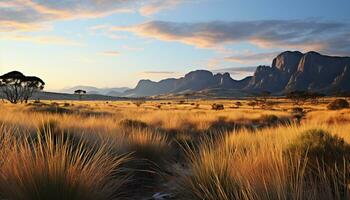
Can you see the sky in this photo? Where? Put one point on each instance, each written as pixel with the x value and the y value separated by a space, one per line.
pixel 115 43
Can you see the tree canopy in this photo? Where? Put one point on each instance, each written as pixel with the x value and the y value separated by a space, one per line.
pixel 16 87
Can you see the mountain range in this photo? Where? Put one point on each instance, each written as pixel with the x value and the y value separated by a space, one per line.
pixel 114 92
pixel 290 71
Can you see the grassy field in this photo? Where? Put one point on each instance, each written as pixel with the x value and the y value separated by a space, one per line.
pixel 179 149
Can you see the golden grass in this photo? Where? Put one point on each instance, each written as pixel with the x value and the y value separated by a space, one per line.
pixel 116 150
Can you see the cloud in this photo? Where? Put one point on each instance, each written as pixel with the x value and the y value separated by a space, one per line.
pixel 237 72
pixel 111 53
pixel 158 73
pixel 28 15
pixel 252 57
pixel 303 35
pixel 42 39
pixel 158 5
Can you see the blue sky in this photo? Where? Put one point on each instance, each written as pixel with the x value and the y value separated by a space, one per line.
pixel 113 43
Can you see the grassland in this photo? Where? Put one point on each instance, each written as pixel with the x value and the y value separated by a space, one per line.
pixel 182 149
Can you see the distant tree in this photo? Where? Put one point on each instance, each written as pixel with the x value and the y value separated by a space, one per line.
pixel 17 87
pixel 80 93
pixel 252 103
pixel 138 103
pixel 298 97
pixel 263 98
pixel 315 97
pixel 238 104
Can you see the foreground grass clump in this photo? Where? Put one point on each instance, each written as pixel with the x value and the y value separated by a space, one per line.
pixel 52 169
pixel 319 146
pixel 249 166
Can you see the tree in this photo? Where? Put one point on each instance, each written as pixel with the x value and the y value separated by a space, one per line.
pixel 16 87
pixel 260 99
pixel 298 97
pixel 138 103
pixel 252 104
pixel 80 93
pixel 238 104
pixel 315 97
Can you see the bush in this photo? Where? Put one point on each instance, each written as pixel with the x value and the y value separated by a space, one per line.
pixel 325 158
pixel 217 106
pixel 338 104
pixel 138 103
pixel 269 119
pixel 297 110
pixel 132 123
pixel 319 146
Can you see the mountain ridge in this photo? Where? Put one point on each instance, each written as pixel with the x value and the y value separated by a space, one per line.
pixel 289 71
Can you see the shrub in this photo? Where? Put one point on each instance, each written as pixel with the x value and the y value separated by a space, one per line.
pixel 320 146
pixel 297 110
pixel 217 106
pixel 325 160
pixel 238 104
pixel 132 123
pixel 181 102
pixel 338 104
pixel 138 103
pixel 253 104
pixel 269 119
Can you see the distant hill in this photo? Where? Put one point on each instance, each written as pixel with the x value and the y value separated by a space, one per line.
pixel 116 92
pixel 192 82
pixel 289 71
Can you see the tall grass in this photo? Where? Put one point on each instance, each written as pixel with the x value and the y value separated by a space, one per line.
pixel 82 154
pixel 51 169
pixel 245 165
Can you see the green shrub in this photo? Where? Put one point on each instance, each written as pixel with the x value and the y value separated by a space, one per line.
pixel 338 104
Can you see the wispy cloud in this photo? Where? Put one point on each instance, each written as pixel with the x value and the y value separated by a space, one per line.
pixel 42 39
pixel 250 57
pixel 27 15
pixel 111 53
pixel 304 35
pixel 237 72
pixel 158 5
pixel 158 73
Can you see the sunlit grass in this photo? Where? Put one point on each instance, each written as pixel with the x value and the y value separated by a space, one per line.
pixel 116 150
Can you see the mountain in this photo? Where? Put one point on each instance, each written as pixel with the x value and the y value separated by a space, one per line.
pixel 194 81
pixel 290 71
pixel 311 71
pixel 114 92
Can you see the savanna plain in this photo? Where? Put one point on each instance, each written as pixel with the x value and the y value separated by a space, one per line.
pixel 174 149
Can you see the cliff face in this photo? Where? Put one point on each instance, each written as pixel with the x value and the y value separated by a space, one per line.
pixel 296 71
